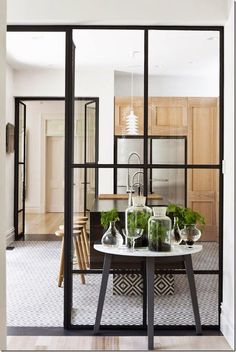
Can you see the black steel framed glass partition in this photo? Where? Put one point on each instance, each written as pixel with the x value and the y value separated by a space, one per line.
pixel 195 169
pixel 162 126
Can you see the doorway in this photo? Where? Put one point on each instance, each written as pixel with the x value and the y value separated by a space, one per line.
pixel 39 170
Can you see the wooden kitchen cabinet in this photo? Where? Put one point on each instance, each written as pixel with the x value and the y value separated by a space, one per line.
pixel 169 116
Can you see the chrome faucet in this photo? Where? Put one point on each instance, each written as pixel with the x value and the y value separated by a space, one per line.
pixel 129 186
pixel 128 175
pixel 139 184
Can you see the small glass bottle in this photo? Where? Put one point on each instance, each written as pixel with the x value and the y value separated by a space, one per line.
pixel 175 235
pixel 136 217
pixel 159 229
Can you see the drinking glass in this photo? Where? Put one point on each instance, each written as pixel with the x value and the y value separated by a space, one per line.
pixel 132 235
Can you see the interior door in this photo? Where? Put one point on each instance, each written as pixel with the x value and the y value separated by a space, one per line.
pixel 203 148
pixel 55 174
pixel 20 165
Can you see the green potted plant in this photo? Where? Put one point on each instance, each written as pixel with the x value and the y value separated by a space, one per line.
pixel 108 216
pixel 187 220
pixel 138 219
pixel 111 237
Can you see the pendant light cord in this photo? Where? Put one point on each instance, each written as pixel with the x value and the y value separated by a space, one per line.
pixel 132 91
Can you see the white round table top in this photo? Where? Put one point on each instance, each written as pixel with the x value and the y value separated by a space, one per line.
pixel 176 250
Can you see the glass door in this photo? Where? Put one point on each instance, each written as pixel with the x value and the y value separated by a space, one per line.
pixel 20 165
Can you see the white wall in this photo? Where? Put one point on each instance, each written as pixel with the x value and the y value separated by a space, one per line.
pixel 2 176
pixel 227 315
pixel 89 83
pixel 180 86
pixel 10 114
pixel 118 12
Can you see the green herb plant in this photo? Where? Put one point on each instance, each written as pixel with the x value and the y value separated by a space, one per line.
pixel 158 232
pixel 185 216
pixel 108 216
pixel 138 219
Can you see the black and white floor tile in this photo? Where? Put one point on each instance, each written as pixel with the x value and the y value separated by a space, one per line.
pixel 35 300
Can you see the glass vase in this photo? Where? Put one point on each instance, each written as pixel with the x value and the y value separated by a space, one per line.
pixel 159 230
pixel 190 234
pixel 136 219
pixel 112 237
pixel 175 235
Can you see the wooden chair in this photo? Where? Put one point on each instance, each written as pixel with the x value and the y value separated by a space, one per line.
pixel 80 221
pixel 81 226
pixel 77 243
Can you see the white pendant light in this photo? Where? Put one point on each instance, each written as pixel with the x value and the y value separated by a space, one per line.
pixel 131 120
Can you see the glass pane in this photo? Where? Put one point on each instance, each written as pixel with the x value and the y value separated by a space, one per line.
pixel 91 187
pixel 20 222
pixel 168 150
pixel 126 310
pixel 127 307
pixel 20 186
pixel 85 109
pixel 21 132
pixel 203 197
pixel 109 63
pixel 184 90
pixel 78 191
pixel 79 133
pixel 91 132
pixel 129 151
pixel 167 186
pixel 127 179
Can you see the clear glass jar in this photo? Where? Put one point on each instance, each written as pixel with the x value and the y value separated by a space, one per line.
pixel 136 217
pixel 159 230
pixel 112 237
pixel 190 234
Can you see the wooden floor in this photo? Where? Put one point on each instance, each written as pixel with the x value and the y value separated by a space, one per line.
pixel 40 224
pixel 111 343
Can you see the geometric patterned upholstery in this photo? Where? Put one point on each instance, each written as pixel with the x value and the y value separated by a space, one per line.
pixel 132 284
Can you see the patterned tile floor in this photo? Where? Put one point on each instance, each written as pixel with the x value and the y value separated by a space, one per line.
pixel 35 300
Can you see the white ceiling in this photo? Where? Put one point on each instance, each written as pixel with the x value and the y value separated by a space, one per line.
pixel 170 52
pixel 150 12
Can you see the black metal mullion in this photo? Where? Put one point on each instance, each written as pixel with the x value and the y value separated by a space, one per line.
pixel 186 171
pixel 115 162
pixel 16 171
pixel 24 171
pixel 69 154
pixel 221 176
pixel 85 158
pixel 151 139
pixel 155 166
pixel 145 114
pixel 65 28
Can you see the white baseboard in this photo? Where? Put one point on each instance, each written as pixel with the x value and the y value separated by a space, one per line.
pixel 33 210
pixel 227 328
pixel 10 236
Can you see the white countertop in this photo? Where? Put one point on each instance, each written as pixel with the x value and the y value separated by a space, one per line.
pixel 176 250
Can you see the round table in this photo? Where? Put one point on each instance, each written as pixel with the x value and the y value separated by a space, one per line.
pixel 178 254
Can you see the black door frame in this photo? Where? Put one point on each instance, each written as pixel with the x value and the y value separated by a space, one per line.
pixel 69 166
pixel 17 163
pixel 21 100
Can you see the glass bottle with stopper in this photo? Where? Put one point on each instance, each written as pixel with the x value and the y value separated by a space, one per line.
pixel 136 219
